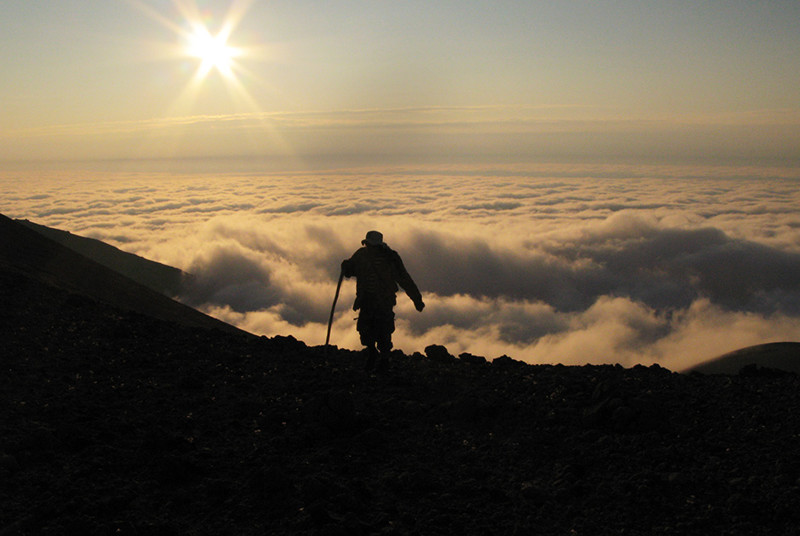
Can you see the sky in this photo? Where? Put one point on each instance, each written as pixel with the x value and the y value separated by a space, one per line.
pixel 574 182
pixel 310 84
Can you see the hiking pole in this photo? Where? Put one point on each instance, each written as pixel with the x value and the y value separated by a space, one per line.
pixel 333 308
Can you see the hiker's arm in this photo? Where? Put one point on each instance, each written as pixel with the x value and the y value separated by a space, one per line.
pixel 404 280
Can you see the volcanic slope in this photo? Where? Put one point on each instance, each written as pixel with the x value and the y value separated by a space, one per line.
pixel 160 277
pixel 116 422
pixel 31 253
pixel 775 355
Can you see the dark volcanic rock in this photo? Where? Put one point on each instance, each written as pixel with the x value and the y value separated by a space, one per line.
pixel 472 359
pixel 113 422
pixel 438 353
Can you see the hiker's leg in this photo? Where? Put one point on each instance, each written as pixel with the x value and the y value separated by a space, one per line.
pixel 366 330
pixel 384 330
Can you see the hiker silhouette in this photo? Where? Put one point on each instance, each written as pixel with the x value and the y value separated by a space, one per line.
pixel 378 270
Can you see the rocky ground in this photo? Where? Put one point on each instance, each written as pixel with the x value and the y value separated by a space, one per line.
pixel 116 423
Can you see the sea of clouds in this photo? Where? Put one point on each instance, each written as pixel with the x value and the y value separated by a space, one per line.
pixel 553 263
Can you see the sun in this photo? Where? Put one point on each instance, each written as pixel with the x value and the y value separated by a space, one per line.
pixel 197 40
pixel 206 37
pixel 213 51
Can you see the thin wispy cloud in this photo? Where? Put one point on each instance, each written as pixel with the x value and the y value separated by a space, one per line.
pixel 493 119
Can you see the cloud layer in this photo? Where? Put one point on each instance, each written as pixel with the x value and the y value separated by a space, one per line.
pixel 548 263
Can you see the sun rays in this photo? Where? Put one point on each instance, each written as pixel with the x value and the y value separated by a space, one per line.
pixel 217 82
pixel 210 41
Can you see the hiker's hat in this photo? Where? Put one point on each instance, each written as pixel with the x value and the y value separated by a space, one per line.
pixel 374 238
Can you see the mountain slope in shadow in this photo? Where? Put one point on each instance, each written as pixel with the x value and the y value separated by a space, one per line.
pixel 777 355
pixel 160 277
pixel 28 252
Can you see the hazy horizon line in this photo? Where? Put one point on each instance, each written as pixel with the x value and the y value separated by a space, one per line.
pixel 249 163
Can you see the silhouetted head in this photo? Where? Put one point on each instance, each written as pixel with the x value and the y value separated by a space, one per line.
pixel 374 238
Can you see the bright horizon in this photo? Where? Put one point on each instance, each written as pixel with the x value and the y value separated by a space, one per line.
pixel 380 82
